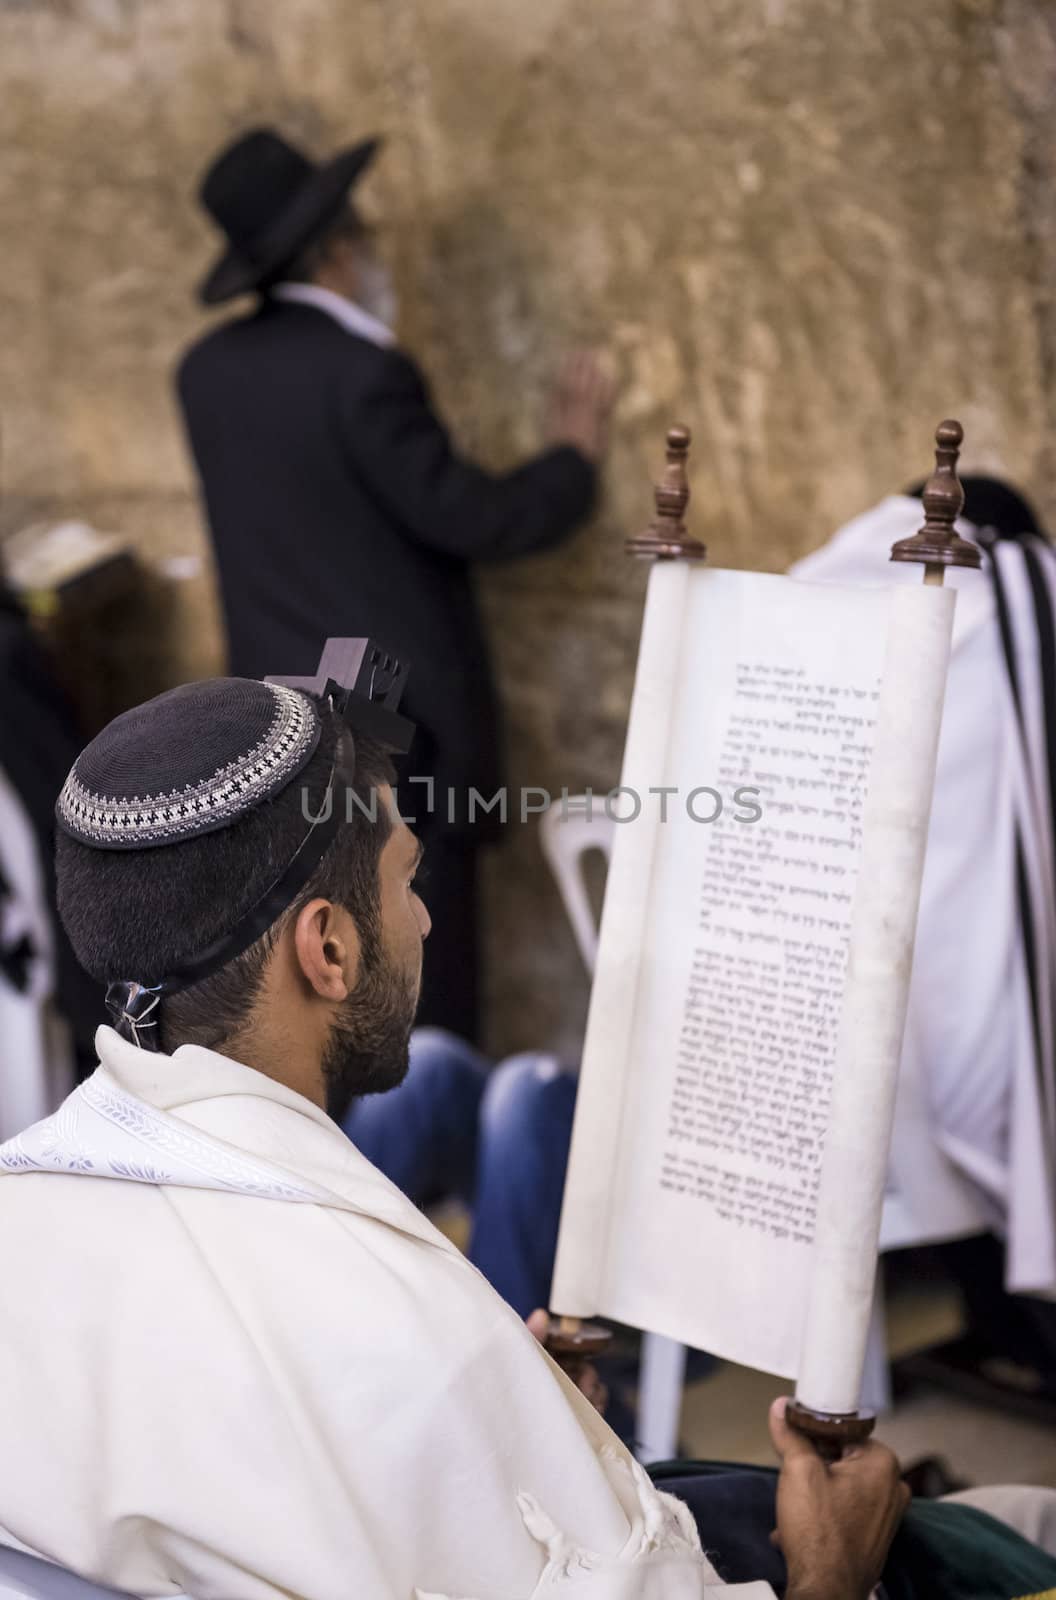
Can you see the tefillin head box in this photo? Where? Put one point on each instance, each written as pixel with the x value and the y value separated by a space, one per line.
pixel 364 683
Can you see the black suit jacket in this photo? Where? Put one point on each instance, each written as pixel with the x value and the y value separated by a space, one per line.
pixel 338 507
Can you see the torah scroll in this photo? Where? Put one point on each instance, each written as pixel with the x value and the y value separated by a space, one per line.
pixel 732 1126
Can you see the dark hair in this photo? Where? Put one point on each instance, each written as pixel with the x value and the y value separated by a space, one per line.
pixel 992 503
pixel 137 914
pixel 345 226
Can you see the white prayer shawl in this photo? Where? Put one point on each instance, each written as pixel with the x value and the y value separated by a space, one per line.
pixel 35 1053
pixel 974 1125
pixel 237 1362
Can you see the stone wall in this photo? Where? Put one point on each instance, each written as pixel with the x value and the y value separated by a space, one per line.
pixel 808 228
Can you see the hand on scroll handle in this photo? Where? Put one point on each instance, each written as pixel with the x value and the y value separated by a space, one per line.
pixel 583 1375
pixel 835 1523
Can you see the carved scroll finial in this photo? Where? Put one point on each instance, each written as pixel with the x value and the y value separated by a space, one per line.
pixel 666 538
pixel 937 545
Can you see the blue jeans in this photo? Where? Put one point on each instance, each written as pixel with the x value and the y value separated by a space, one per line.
pixel 497 1138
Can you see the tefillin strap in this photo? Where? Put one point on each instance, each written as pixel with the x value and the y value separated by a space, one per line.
pixel 134 1009
pixel 363 683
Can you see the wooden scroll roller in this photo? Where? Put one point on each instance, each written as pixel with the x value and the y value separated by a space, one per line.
pixel 666 538
pixel 575 1344
pixel 831 1433
pixel 571 1342
pixel 936 546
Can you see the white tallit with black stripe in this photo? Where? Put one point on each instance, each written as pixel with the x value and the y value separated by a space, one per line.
pixel 36 1069
pixel 1023 576
pixel 976 1128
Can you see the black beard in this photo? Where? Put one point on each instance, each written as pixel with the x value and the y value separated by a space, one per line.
pixel 368 1048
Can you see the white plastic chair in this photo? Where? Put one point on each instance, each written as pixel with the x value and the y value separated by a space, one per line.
pixel 568 832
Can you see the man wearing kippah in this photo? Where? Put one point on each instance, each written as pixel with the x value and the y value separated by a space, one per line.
pixel 235 1361
pixel 338 506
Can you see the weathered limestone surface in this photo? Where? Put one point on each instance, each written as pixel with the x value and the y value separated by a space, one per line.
pixel 808 228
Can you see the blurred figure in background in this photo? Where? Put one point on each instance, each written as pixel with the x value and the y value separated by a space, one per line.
pixel 49 1007
pixel 339 507
pixel 980 1037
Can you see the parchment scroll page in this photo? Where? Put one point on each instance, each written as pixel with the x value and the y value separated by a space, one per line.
pixel 727 1067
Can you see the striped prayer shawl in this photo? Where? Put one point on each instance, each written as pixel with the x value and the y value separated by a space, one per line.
pixel 1023 574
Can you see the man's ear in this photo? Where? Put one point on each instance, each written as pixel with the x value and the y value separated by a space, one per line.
pixel 328 950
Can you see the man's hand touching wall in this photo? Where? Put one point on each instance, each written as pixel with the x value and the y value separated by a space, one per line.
pixel 581 405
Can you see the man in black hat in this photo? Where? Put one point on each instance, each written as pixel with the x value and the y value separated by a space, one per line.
pixel 338 506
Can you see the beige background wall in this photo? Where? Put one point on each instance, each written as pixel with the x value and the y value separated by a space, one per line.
pixel 808 228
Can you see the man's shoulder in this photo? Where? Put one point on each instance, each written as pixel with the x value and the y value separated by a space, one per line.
pixel 295 332
pixel 213 349
pixel 221 334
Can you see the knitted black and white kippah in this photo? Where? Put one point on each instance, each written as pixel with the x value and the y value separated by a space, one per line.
pixel 187 763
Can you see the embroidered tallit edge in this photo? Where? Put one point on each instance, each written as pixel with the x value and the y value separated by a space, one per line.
pixel 64 1148
pixel 157 1132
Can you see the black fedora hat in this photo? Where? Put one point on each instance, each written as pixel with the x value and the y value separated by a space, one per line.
pixel 269 199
